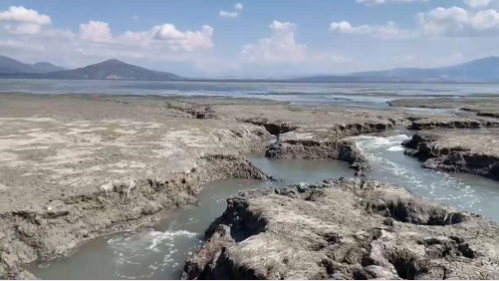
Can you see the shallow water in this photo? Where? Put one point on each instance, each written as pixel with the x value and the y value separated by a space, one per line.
pixel 467 192
pixel 356 94
pixel 160 252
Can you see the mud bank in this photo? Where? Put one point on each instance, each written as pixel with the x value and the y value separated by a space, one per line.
pixel 72 169
pixel 473 152
pixel 344 229
pixel 453 122
pixel 320 133
pixel 76 167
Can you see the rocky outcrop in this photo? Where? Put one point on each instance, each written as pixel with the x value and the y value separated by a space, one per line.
pixel 455 151
pixel 52 231
pixel 345 229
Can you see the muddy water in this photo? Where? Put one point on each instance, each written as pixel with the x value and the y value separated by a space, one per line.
pixel 160 252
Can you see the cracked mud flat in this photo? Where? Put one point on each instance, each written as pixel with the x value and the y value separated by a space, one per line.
pixel 76 167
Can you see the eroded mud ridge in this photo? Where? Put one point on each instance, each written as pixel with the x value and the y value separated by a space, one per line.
pixel 345 229
pixel 473 152
pixel 72 169
pixel 320 134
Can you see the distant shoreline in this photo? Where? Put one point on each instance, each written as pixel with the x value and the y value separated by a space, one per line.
pixel 269 81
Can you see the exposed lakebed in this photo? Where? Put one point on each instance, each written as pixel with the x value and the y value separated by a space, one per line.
pixel 160 252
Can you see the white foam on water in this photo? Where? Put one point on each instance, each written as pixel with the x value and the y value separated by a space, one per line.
pixel 372 142
pixel 427 183
pixel 395 148
pixel 167 237
pixel 161 249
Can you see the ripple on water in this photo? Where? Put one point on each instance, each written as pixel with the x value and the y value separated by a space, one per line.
pixel 468 192
pixel 158 250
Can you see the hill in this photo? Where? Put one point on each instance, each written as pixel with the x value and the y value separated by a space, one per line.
pixel 12 66
pixel 113 70
pixel 481 70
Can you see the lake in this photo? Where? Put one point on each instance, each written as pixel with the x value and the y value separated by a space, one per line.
pixel 356 94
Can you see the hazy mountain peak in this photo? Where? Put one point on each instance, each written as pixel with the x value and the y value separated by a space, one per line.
pixel 114 69
pixel 479 70
pixel 12 66
pixel 113 62
pixel 46 67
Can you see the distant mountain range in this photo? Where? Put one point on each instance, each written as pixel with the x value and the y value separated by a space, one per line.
pixel 476 71
pixel 11 66
pixel 109 70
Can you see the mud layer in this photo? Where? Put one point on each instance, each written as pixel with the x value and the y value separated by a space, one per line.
pixel 344 229
pixel 474 152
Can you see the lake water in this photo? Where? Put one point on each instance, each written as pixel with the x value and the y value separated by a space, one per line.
pixel 359 94
pixel 160 252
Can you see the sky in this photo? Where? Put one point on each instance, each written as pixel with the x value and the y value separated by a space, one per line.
pixel 251 38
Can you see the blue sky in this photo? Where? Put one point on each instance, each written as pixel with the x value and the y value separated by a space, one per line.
pixel 259 38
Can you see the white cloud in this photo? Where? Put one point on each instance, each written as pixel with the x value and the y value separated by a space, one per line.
pixel 483 20
pixel 280 48
pixel 375 2
pixel 477 3
pixel 237 8
pixel 27 28
pixel 346 27
pixel 23 15
pixel 390 30
pixel 166 35
pixel 135 18
pixel 188 40
pixel 225 14
pixel 96 31
pixel 19 20
pixel 456 21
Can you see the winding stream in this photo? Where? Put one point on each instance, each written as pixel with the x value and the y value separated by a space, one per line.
pixel 160 252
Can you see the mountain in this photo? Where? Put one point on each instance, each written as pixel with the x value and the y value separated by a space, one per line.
pixel 113 70
pixel 12 66
pixel 481 70
pixel 46 67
